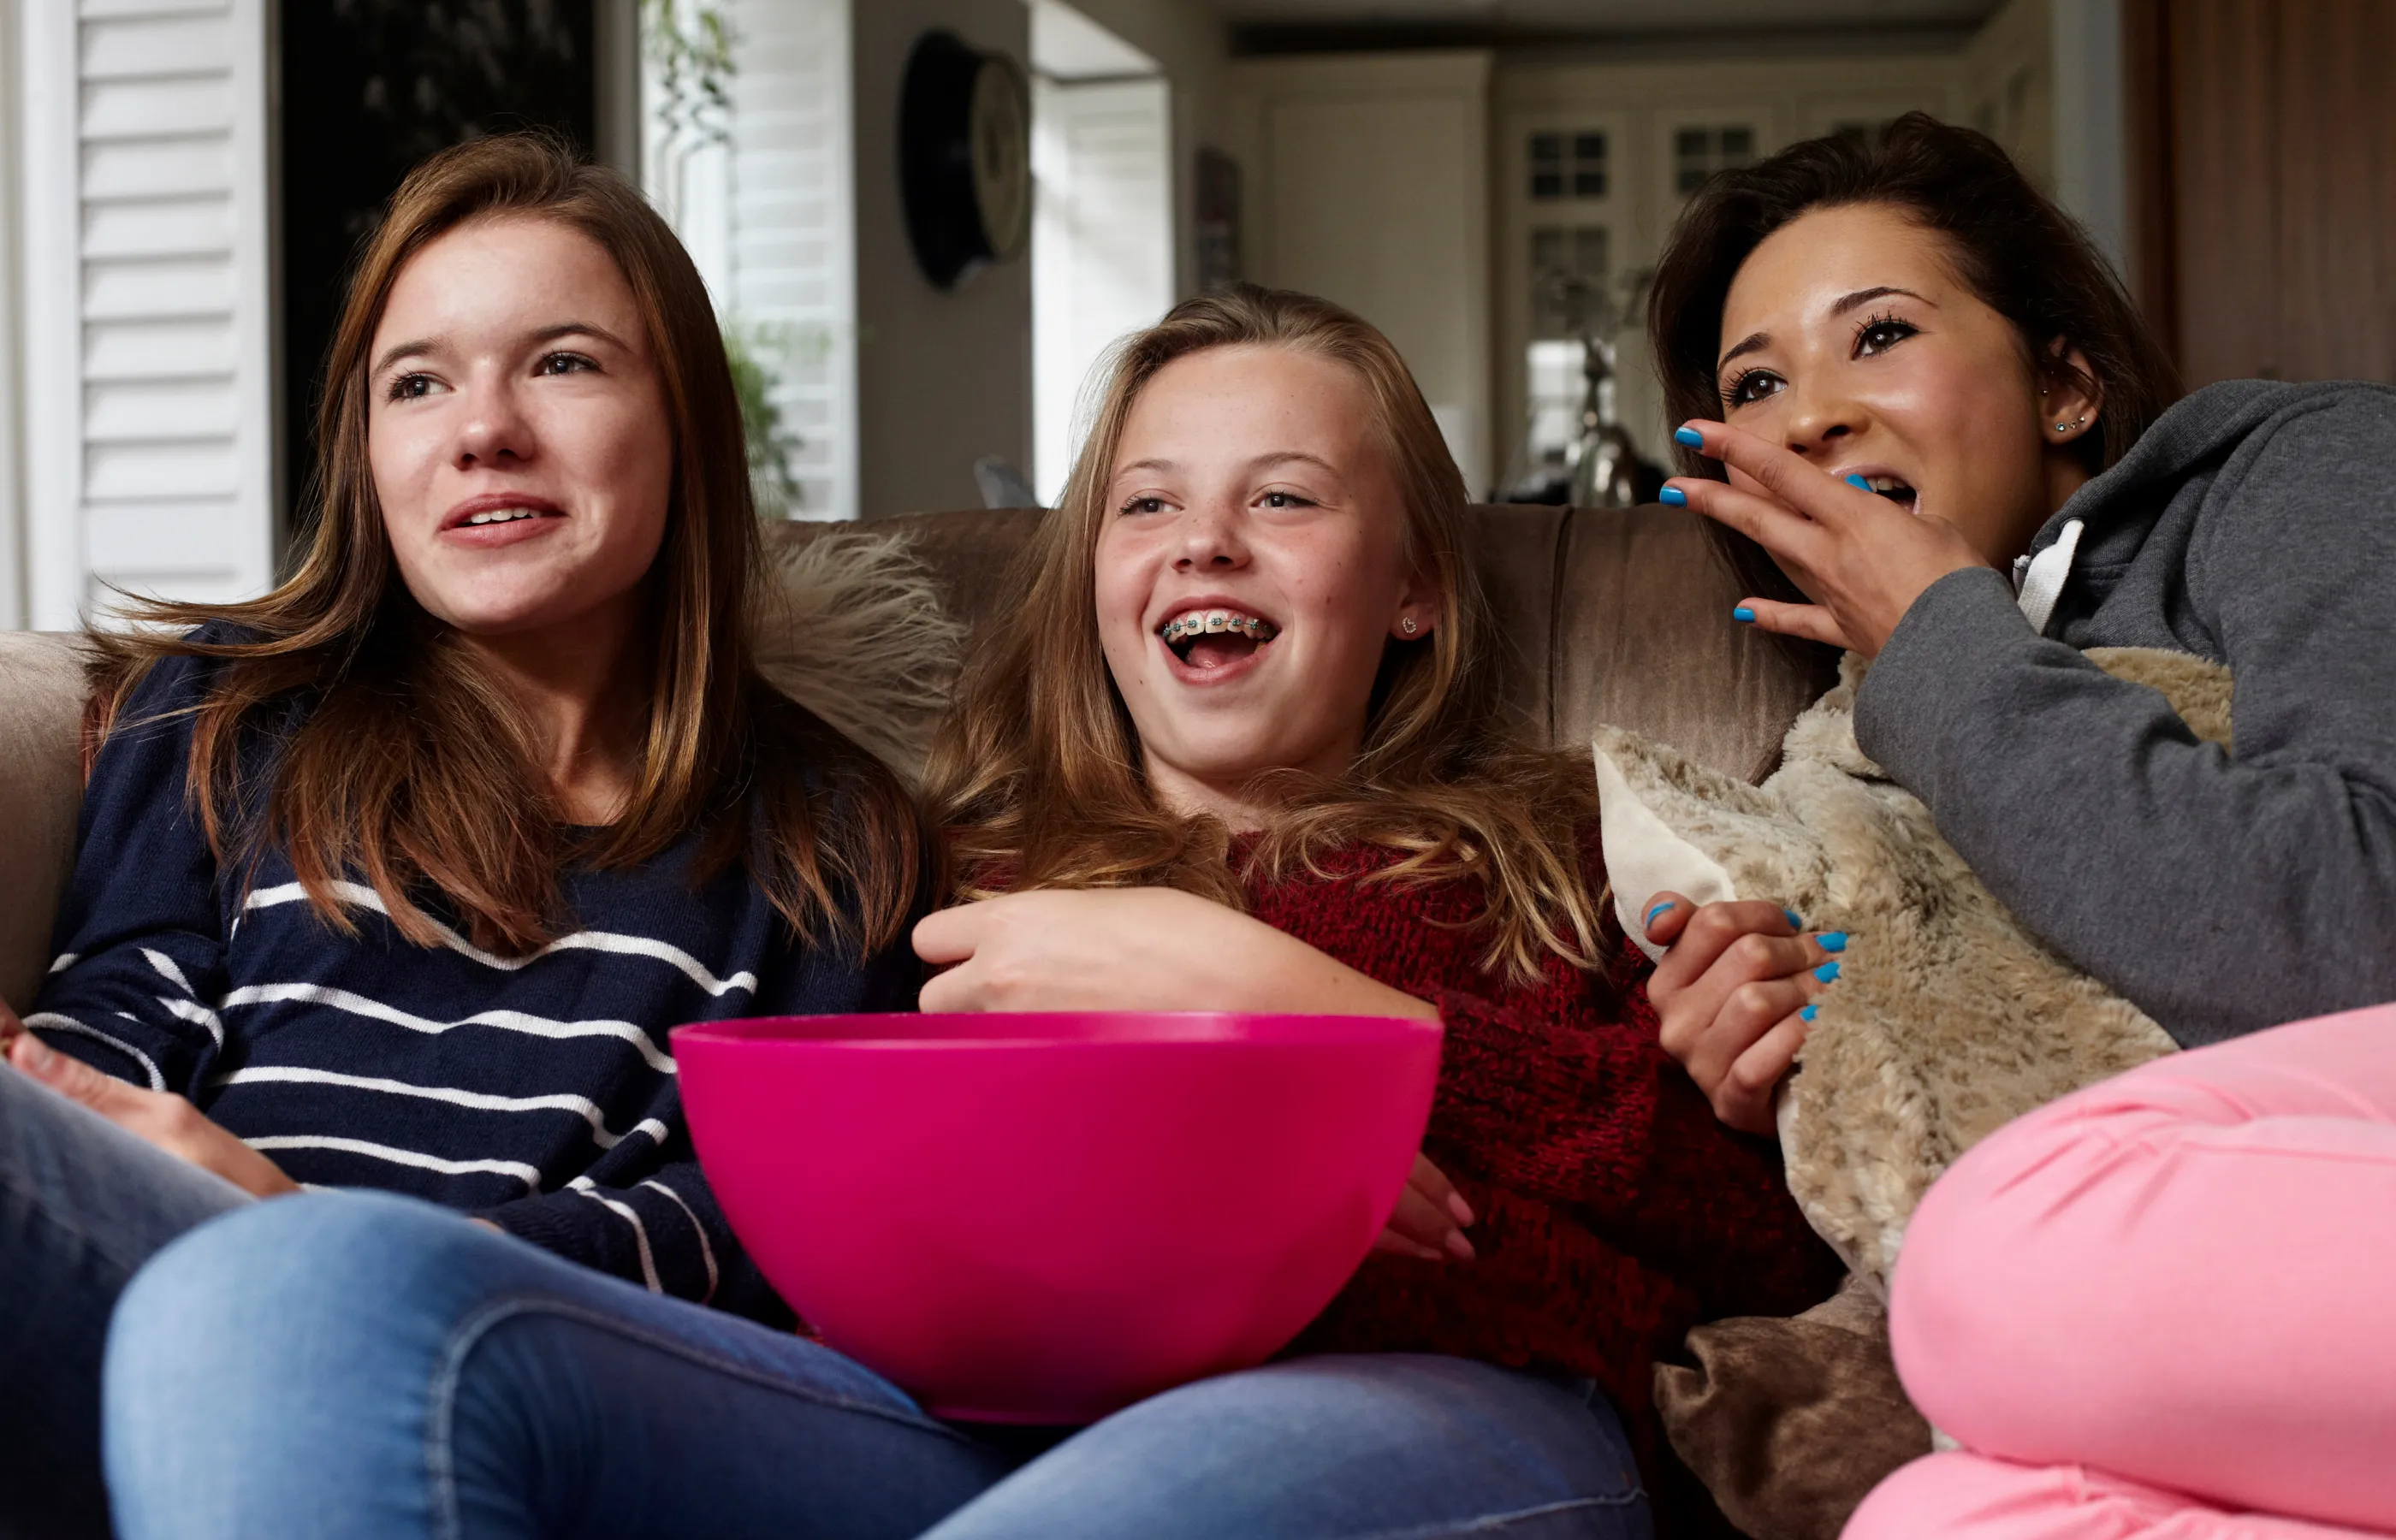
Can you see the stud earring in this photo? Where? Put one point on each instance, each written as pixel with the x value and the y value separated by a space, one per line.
pixel 1408 626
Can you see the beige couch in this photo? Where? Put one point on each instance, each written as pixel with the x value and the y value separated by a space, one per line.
pixel 1609 615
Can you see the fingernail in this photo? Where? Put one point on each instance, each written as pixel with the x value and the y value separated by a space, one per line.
pixel 1794 923
pixel 1809 1012
pixel 1859 482
pixel 1833 941
pixel 1743 615
pixel 1458 1247
pixel 1689 436
pixel 1458 1207
pixel 1656 910
pixel 38 1057
pixel 1672 497
pixel 1827 973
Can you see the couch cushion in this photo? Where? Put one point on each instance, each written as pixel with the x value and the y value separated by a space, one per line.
pixel 1643 639
pixel 41 790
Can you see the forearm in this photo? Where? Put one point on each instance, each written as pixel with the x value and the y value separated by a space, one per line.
pixel 2158 863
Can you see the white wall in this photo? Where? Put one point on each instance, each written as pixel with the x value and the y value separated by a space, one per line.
pixel 2092 161
pixel 144 262
pixel 1190 44
pixel 12 490
pixel 943 378
pixel 1102 244
pixel 1366 183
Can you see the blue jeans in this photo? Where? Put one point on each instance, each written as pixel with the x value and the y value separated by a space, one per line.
pixel 352 1365
pixel 83 1205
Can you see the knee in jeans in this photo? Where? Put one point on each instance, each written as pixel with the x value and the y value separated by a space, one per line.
pixel 314 1265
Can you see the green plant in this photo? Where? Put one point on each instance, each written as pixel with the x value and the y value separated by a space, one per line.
pixel 689 44
pixel 747 346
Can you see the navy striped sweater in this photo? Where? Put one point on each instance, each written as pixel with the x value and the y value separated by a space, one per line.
pixel 535 1092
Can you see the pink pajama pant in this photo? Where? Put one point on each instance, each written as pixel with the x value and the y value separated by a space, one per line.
pixel 2164 1308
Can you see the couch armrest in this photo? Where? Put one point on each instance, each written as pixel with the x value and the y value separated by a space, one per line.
pixel 41 790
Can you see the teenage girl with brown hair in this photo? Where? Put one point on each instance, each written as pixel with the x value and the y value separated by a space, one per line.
pixel 396 877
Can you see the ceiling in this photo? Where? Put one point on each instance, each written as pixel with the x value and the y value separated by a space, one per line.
pixel 1263 24
pixel 1627 16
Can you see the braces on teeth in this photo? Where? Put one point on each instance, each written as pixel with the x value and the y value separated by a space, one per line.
pixel 1215 622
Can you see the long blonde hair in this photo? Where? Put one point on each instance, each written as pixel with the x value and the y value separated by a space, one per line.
pixel 412 769
pixel 1036 780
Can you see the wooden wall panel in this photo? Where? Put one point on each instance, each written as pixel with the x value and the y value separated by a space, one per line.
pixel 2225 153
pixel 2336 152
pixel 2268 200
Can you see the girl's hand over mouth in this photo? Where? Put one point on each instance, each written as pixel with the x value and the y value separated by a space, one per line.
pixel 1862 558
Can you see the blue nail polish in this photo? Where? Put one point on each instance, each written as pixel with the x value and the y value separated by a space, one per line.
pixel 1672 497
pixel 1827 973
pixel 1689 436
pixel 1656 910
pixel 1795 921
pixel 1859 482
pixel 1810 1012
pixel 1833 941
pixel 1743 615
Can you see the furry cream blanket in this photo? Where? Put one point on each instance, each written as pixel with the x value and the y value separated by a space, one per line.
pixel 1948 1018
pixel 856 631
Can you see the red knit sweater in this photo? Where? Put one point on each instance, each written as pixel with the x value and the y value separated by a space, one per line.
pixel 1614 1211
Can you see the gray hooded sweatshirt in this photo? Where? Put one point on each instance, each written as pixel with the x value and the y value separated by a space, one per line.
pixel 2255 523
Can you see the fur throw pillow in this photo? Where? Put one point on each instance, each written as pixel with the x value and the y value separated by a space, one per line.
pixel 855 629
pixel 1947 1019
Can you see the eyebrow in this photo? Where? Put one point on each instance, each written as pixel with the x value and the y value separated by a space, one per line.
pixel 1755 340
pixel 1282 457
pixel 547 334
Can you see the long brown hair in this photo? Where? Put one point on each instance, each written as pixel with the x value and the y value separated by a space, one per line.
pixel 1036 779
pixel 2010 245
pixel 409 766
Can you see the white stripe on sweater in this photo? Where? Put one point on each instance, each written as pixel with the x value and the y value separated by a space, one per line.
pixel 167 969
pixel 193 1011
pixel 604 942
pixel 480 1101
pixel 529 1175
pixel 65 961
pixel 50 1021
pixel 640 1231
pixel 706 1252
pixel 506 1021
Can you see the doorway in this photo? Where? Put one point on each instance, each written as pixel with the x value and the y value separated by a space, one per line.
pixel 1102 225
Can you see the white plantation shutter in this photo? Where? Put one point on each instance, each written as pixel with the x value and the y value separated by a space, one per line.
pixel 793 245
pixel 150 455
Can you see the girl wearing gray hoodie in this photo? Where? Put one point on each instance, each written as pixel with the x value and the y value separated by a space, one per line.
pixel 1930 427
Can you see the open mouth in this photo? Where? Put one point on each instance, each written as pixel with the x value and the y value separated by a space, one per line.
pixel 1895 488
pixel 1208 640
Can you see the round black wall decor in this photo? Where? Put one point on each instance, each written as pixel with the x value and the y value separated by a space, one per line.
pixel 965 157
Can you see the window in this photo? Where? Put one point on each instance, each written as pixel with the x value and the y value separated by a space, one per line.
pixel 1568 268
pixel 1699 153
pixel 1568 164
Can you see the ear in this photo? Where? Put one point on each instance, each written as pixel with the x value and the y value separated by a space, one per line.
pixel 2069 395
pixel 1418 604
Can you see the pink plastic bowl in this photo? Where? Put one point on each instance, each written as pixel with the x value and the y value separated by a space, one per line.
pixel 1045 1217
